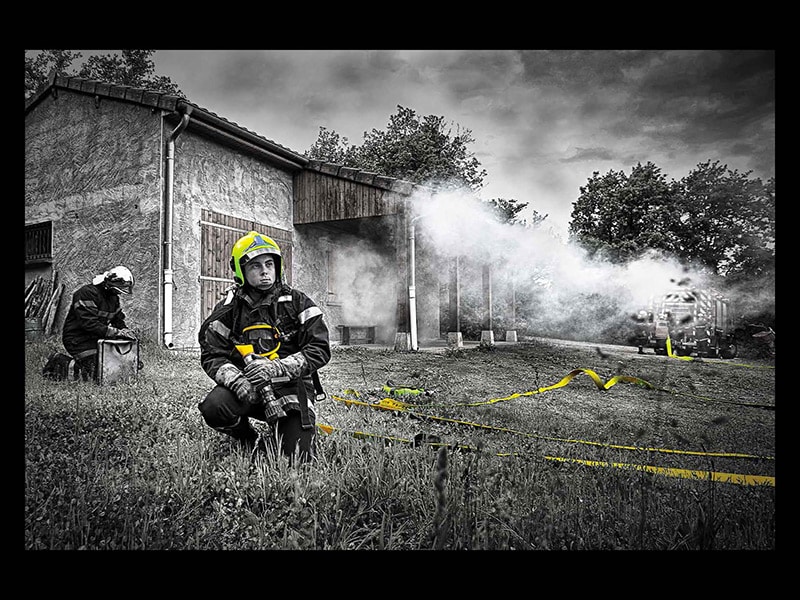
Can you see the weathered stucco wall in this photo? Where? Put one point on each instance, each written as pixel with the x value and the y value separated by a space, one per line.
pixel 224 180
pixel 94 170
pixel 312 248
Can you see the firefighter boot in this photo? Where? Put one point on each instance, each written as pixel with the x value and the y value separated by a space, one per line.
pixel 243 433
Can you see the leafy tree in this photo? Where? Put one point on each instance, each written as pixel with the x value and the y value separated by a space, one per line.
pixel 132 68
pixel 331 147
pixel 714 219
pixel 726 221
pixel 37 68
pixel 507 211
pixel 618 217
pixel 422 150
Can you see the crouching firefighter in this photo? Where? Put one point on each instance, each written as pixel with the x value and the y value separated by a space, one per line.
pixel 262 345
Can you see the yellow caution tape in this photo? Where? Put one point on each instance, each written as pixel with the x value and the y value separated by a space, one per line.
pixel 393 404
pixel 387 403
pixel 597 444
pixel 671 355
pixel 734 478
pixel 727 364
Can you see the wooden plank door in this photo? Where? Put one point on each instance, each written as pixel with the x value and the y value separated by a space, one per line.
pixel 218 233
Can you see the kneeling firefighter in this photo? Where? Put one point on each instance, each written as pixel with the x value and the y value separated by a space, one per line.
pixel 262 345
pixel 96 313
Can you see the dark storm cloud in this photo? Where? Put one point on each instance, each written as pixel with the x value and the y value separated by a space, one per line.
pixel 243 71
pixel 574 70
pixel 478 73
pixel 718 105
pixel 702 101
pixel 709 96
pixel 359 70
pixel 543 120
pixel 584 154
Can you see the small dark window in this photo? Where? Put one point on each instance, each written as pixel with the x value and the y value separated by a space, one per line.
pixel 39 243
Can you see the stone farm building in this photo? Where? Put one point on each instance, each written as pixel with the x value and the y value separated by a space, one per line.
pixel 121 175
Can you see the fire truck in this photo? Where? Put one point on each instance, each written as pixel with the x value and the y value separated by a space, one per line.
pixel 697 322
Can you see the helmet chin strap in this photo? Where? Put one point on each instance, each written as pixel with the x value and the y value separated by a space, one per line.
pixel 259 292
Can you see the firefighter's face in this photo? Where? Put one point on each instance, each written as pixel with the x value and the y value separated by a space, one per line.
pixel 260 272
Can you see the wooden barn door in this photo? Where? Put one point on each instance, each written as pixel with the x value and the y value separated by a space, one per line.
pixel 218 233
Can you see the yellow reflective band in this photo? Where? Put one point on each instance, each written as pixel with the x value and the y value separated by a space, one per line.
pixel 729 364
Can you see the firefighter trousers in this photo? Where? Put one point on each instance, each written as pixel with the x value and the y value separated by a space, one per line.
pixel 222 410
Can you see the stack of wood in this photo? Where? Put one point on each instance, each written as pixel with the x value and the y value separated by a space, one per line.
pixel 41 301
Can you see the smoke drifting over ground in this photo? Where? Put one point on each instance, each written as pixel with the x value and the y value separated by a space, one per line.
pixel 558 290
pixel 365 283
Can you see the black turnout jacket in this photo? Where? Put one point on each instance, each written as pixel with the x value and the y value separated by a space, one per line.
pixel 295 316
pixel 93 309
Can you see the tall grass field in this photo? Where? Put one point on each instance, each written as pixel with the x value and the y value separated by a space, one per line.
pixel 132 466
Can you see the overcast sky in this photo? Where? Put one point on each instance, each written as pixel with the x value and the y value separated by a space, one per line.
pixel 543 120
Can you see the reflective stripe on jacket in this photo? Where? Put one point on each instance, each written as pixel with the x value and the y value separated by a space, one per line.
pixel 290 311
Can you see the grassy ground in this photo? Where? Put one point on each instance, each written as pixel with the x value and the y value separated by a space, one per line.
pixel 680 455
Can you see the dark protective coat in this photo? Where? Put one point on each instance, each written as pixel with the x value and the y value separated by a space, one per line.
pixel 94 307
pixel 299 321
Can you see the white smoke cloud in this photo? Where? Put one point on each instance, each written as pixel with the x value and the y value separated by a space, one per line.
pixel 567 292
pixel 365 284
pixel 559 291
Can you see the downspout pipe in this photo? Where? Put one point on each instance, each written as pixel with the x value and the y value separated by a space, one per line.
pixel 412 281
pixel 185 111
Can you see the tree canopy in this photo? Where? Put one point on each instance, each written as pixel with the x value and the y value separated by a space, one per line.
pixel 716 219
pixel 508 211
pixel 131 67
pixel 423 150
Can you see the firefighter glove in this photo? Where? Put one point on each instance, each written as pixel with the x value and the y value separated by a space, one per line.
pixel 115 333
pixel 295 365
pixel 232 378
pixel 126 333
pixel 259 372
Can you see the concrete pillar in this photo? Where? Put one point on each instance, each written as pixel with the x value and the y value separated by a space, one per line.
pixel 454 339
pixel 402 342
pixel 487 334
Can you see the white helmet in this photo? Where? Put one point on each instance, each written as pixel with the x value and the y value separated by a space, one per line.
pixel 120 279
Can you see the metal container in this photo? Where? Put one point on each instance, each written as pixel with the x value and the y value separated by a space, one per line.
pixel 117 360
